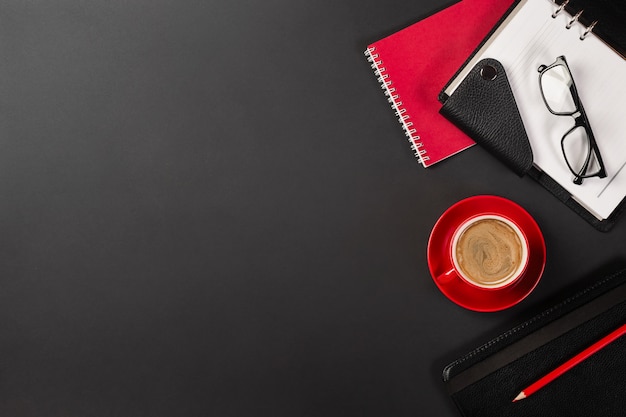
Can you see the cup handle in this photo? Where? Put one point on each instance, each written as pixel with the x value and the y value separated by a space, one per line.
pixel 447 276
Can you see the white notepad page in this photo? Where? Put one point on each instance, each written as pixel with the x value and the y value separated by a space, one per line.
pixel 531 37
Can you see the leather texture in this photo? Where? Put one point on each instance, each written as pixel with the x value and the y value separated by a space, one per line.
pixel 594 387
pixel 485 109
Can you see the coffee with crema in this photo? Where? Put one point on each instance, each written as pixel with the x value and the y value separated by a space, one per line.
pixel 489 253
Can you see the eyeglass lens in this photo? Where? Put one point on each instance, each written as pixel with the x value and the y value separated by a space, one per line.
pixel 578 153
pixel 556 85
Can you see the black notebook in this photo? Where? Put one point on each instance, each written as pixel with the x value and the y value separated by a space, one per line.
pixel 484 382
pixel 506 113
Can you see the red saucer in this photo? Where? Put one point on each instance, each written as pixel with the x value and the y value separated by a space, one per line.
pixel 469 296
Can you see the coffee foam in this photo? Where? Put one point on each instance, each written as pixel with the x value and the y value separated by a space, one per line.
pixel 489 252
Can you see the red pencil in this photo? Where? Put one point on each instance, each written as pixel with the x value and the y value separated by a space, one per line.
pixel 557 372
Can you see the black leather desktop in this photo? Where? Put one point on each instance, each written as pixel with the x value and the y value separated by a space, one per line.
pixel 209 209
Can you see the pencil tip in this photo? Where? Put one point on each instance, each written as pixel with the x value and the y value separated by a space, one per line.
pixel 520 396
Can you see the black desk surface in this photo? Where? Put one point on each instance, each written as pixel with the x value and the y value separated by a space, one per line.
pixel 209 209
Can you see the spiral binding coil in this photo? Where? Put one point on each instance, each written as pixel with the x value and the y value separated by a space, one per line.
pixel 574 19
pixel 394 99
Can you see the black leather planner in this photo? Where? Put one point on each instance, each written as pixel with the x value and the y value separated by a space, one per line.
pixel 485 108
pixel 484 382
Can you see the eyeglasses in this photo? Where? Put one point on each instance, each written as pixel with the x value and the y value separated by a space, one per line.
pixel 578 144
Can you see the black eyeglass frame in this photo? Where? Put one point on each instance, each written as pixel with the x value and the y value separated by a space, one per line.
pixel 579 121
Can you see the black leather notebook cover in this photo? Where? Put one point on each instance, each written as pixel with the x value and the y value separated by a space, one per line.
pixel 485 382
pixel 483 106
pixel 610 18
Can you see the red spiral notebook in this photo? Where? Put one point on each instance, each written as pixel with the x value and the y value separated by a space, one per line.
pixel 415 63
